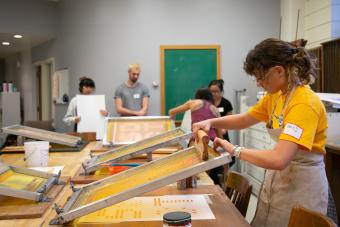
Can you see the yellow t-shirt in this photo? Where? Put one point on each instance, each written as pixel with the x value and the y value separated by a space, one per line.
pixel 304 119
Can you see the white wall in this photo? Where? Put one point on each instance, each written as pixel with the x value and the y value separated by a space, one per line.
pixel 28 17
pixel 19 71
pixel 100 38
pixel 31 18
pixel 319 20
pixel 27 86
pixel 12 72
pixel 292 19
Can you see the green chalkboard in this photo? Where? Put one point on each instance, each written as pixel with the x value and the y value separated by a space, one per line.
pixel 184 69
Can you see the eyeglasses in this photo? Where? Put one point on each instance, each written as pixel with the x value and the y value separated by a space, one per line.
pixel 260 79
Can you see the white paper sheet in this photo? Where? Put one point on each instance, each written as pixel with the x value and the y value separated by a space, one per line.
pixel 186 121
pixel 151 208
pixel 88 108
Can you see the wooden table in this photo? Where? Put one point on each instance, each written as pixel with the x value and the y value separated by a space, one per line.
pixel 71 162
pixel 332 161
pixel 225 212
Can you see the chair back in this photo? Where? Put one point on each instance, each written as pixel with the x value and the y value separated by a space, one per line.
pixel 301 216
pixel 238 189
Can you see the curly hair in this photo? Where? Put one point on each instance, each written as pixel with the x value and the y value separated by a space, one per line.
pixel 298 63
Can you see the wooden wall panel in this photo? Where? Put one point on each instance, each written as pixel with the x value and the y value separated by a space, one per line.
pixel 331 67
pixel 318 85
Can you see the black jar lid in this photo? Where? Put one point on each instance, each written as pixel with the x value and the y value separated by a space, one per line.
pixel 177 217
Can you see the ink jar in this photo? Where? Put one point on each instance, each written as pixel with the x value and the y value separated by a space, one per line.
pixel 177 219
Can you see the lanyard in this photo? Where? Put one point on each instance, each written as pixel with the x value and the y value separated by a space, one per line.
pixel 280 117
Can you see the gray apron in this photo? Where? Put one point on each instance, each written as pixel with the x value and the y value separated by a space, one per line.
pixel 302 182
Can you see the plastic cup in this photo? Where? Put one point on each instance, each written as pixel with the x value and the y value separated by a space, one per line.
pixel 36 153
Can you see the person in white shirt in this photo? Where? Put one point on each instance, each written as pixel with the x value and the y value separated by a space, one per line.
pixel 86 87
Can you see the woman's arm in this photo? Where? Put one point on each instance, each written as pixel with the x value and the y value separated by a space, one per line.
pixel 276 159
pixel 71 114
pixel 236 121
pixel 224 131
pixel 180 109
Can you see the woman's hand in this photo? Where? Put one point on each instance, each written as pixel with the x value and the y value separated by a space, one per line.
pixel 172 116
pixel 104 113
pixel 228 147
pixel 77 119
pixel 204 125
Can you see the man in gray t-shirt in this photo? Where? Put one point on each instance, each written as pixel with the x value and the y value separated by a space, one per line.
pixel 132 97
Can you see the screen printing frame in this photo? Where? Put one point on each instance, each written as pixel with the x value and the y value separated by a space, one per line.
pixel 40 134
pixel 117 120
pixel 68 213
pixel 94 163
pixel 37 195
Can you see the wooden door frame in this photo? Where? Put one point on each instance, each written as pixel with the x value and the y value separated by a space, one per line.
pixel 38 91
pixel 47 61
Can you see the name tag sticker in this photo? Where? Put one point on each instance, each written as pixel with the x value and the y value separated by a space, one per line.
pixel 293 130
pixel 220 109
pixel 136 96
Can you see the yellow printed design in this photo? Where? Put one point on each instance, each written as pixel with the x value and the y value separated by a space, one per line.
pixel 127 131
pixel 144 145
pixel 15 180
pixel 150 209
pixel 141 175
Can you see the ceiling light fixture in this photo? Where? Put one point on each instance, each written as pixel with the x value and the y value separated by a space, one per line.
pixel 17 36
pixel 5 43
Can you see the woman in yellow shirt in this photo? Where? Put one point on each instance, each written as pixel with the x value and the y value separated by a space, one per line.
pixel 296 118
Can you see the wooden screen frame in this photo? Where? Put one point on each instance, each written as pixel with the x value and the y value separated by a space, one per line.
pixel 163 48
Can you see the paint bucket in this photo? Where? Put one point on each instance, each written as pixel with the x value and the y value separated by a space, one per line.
pixel 177 218
pixel 36 153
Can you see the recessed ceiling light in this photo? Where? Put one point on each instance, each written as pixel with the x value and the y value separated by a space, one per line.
pixel 17 36
pixel 5 43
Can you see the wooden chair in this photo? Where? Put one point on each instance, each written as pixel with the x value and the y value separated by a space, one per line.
pixel 301 216
pixel 238 189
